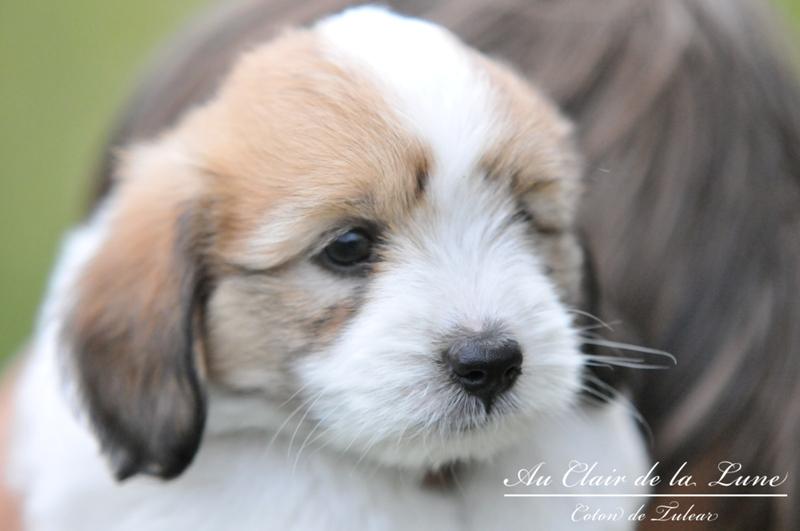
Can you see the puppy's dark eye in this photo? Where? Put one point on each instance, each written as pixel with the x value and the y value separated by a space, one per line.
pixel 351 249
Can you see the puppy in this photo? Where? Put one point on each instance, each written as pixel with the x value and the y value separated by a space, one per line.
pixel 354 268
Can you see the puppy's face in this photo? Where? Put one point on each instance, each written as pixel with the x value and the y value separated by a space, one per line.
pixel 369 228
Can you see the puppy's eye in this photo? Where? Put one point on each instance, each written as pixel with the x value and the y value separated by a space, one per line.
pixel 351 249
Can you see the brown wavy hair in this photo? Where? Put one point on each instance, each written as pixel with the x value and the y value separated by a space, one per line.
pixel 689 118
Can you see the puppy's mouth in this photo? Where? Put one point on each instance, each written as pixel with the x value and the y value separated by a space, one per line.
pixel 467 412
pixel 489 397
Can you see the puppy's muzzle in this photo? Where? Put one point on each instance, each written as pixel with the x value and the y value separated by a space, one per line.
pixel 485 367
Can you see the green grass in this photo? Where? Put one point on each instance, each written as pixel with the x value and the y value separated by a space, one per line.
pixel 65 67
pixel 792 9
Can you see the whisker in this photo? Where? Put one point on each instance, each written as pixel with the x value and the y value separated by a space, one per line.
pixel 591 393
pixel 626 403
pixel 308 440
pixel 589 328
pixel 292 397
pixel 621 361
pixel 322 421
pixel 628 346
pixel 300 422
pixel 285 422
pixel 592 317
pixel 372 442
pixel 355 437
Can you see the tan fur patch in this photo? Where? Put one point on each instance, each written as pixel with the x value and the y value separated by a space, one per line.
pixel 292 147
pixel 136 263
pixel 534 149
pixel 293 129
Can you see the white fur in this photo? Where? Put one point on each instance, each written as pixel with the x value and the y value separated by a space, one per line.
pixel 380 388
pixel 238 482
pixel 456 265
pixel 377 413
pixel 453 113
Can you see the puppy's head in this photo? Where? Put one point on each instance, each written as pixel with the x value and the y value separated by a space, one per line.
pixel 369 225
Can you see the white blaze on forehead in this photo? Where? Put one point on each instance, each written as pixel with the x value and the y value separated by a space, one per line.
pixel 441 94
pixel 430 79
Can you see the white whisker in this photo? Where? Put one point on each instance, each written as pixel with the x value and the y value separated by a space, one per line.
pixel 630 363
pixel 602 323
pixel 628 346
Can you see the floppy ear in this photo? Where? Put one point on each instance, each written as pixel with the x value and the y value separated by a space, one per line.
pixel 137 306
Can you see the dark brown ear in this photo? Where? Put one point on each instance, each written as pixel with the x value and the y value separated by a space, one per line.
pixel 137 308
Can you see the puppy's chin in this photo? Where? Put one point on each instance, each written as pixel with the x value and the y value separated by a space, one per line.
pixel 434 424
pixel 457 437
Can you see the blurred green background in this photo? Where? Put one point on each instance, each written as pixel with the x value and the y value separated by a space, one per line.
pixel 65 68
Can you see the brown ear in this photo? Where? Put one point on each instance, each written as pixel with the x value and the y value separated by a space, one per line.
pixel 137 307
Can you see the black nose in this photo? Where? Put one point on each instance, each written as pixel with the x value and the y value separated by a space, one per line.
pixel 485 368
